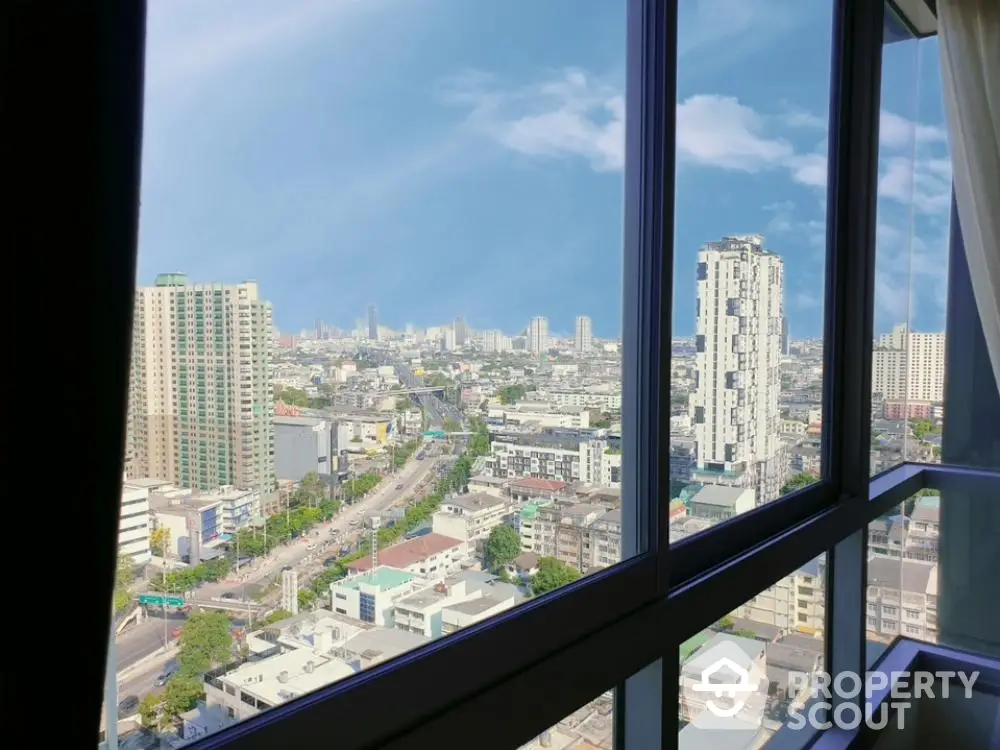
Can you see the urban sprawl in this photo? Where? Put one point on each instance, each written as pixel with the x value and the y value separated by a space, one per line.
pixel 299 507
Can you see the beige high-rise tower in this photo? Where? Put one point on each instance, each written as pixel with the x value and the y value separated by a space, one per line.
pixel 738 341
pixel 201 401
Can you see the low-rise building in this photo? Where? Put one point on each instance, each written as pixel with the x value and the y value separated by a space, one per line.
pixel 902 598
pixel 134 524
pixel 580 535
pixel 200 522
pixel 541 415
pixel 470 518
pixel 302 445
pixel 439 609
pixel 718 502
pixel 370 597
pixel 431 556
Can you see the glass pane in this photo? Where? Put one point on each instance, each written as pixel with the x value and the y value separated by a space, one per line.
pixel 903 555
pixel 750 249
pixel 589 728
pixel 409 422
pixel 774 644
pixel 914 200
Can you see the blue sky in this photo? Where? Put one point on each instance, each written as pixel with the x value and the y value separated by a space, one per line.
pixel 456 157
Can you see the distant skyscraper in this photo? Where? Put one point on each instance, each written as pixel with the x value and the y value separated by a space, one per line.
pixel 538 335
pixel 372 323
pixel 738 343
pixel 200 393
pixel 584 334
pixel 909 366
pixel 461 331
pixel 493 341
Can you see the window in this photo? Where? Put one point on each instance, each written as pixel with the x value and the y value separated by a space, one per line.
pixel 656 590
pixel 750 238
pixel 480 416
pixel 776 640
pixel 914 202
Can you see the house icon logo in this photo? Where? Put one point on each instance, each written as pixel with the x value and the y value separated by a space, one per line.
pixel 725 684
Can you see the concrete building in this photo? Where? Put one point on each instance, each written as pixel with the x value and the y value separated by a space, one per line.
pixel 470 518
pixel 584 339
pixel 370 597
pixel 200 392
pixel 607 398
pixel 358 433
pixel 134 524
pixel 456 602
pixel 795 603
pixel 302 445
pixel 538 335
pixel 908 367
pixel 541 415
pixel 200 522
pixel 592 462
pixel 902 598
pixel 719 502
pixel 373 332
pixel 432 556
pixel 738 357
pixel 583 536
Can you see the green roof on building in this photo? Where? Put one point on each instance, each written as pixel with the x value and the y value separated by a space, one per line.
pixel 383 578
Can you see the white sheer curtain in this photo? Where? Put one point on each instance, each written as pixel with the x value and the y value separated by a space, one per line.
pixel 969 40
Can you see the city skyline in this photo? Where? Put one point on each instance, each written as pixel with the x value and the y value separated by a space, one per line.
pixel 519 162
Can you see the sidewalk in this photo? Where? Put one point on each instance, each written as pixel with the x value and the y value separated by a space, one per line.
pixel 147 662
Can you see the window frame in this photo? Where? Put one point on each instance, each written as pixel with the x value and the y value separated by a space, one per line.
pixel 627 622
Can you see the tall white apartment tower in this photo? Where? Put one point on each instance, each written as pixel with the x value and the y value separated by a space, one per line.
pixel 201 396
pixel 908 366
pixel 538 335
pixel 738 341
pixel 584 334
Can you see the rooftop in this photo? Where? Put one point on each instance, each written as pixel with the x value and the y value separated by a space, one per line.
pixel 410 552
pixel 531 483
pixel 475 502
pixel 286 676
pixel 719 495
pixel 384 578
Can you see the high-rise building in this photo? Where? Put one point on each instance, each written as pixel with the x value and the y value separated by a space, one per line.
pixel 493 341
pixel 461 331
pixel 538 335
pixel 201 397
pixel 584 334
pixel 908 366
pixel 372 323
pixel 738 344
pixel 786 342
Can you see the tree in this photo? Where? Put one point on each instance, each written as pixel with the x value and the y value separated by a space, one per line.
pixel 123 582
pixel 800 480
pixel 599 420
pixel 205 642
pixel 149 709
pixel 552 574
pixel 450 425
pixel 291 396
pixel 503 545
pixel 306 598
pixel 511 394
pixel 277 616
pixel 182 694
pixel 159 541
pixel 404 403
pixel 726 623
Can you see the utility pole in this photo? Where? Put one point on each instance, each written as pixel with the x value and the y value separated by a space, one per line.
pixel 166 640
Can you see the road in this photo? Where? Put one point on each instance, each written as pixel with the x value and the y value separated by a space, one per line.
pixel 139 641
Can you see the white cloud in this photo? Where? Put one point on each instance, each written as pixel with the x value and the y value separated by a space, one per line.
pixel 898 132
pixel 191 41
pixel 570 115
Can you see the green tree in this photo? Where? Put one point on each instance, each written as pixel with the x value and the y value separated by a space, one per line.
pixel 123 583
pixel 276 616
pixel 206 641
pixel 922 428
pixel 511 394
pixel 503 545
pixel 291 396
pixel 181 694
pixel 726 623
pixel 404 403
pixel 803 479
pixel 450 425
pixel 552 574
pixel 306 598
pixel 599 420
pixel 149 709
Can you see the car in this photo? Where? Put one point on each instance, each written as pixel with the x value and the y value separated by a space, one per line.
pixel 228 595
pixel 176 632
pixel 399 486
pixel 164 678
pixel 128 705
pixel 287 567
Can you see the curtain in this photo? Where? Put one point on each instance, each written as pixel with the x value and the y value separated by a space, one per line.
pixel 969 42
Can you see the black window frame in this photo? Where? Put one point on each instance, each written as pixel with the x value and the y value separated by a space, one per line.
pixel 620 627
